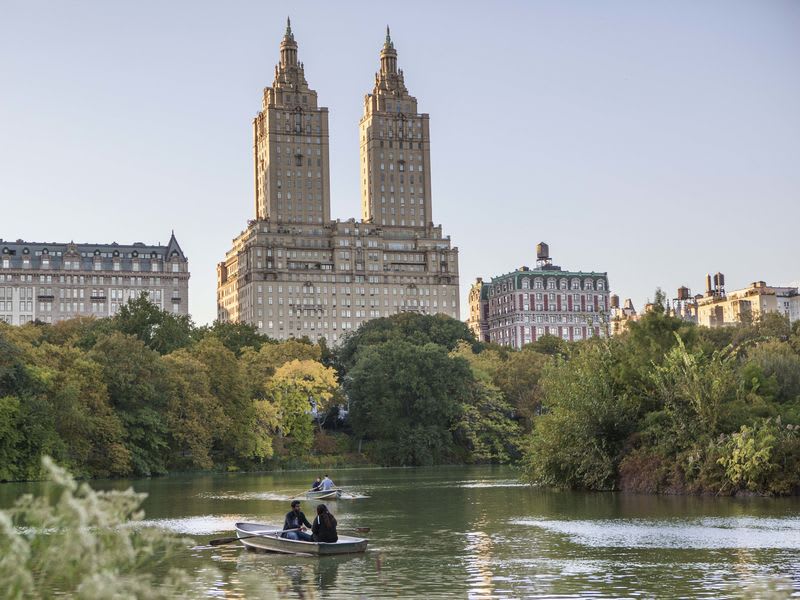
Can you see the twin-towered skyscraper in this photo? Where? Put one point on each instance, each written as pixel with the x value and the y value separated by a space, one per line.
pixel 294 271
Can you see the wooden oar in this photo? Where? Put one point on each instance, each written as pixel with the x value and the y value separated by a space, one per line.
pixel 229 540
pixel 355 529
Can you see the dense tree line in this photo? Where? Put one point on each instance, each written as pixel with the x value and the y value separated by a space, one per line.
pixel 667 407
pixel 146 392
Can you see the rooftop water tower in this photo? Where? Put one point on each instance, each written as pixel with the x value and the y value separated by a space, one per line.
pixel 543 260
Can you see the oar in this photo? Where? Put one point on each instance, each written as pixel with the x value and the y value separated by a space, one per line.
pixel 229 540
pixel 355 529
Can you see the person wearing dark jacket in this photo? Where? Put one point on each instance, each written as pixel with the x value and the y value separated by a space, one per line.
pixel 324 527
pixel 295 519
pixel 316 485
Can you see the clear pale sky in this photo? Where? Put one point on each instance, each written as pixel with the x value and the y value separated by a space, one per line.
pixel 657 141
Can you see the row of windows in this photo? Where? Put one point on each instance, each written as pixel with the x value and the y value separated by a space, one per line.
pixel 552 284
pixel 46 254
pixel 96 265
pixel 347 290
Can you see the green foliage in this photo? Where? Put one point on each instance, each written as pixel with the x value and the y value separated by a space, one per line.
pixel 550 345
pixel 134 375
pixel 236 336
pixel 777 368
pixel 579 440
pixel 413 328
pixel 74 542
pixel 11 437
pixel 485 426
pixel 665 407
pixel 296 386
pixel 194 414
pixel 12 368
pixel 406 398
pixel 763 458
pixel 692 388
pixel 157 329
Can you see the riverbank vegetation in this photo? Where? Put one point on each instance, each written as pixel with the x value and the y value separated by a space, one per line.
pixel 667 407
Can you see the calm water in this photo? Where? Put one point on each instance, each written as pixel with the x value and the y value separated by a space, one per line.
pixel 476 532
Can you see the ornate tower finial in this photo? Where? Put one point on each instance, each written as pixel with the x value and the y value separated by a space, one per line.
pixel 388 42
pixel 388 55
pixel 288 46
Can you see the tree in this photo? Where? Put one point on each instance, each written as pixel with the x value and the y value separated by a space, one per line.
pixel 296 387
pixel 12 368
pixel 692 389
pixel 238 437
pixel 518 378
pixel 92 433
pixel 134 377
pixel 764 458
pixel 194 415
pixel 259 366
pixel 160 330
pixel 550 345
pixel 11 438
pixel 236 336
pixel 406 399
pixel 411 327
pixel 485 426
pixel 579 439
pixel 779 365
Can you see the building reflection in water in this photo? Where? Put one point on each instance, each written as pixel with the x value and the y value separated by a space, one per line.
pixel 478 563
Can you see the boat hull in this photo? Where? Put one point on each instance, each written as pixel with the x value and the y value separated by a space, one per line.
pixel 272 542
pixel 323 494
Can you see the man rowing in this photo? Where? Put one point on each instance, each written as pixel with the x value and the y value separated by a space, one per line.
pixel 297 521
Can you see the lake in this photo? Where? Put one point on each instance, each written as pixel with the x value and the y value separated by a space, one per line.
pixel 477 532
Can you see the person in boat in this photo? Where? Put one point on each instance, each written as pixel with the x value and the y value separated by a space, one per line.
pixel 317 483
pixel 324 527
pixel 295 519
pixel 327 484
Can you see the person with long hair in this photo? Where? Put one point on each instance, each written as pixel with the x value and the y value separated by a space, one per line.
pixel 324 527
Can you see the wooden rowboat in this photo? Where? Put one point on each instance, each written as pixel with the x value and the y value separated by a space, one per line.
pixel 268 538
pixel 324 494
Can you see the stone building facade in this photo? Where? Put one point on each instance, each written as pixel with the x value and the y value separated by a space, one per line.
pixel 719 308
pixel 520 307
pixel 50 282
pixel 294 271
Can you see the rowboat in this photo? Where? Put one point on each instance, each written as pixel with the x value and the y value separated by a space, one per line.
pixel 324 494
pixel 268 538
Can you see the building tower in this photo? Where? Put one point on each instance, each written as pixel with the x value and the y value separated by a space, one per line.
pixel 395 151
pixel 290 143
pixel 294 271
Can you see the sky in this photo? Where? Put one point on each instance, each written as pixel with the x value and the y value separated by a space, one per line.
pixel 654 141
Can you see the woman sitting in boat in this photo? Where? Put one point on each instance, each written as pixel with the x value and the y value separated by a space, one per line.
pixel 296 520
pixel 316 485
pixel 324 527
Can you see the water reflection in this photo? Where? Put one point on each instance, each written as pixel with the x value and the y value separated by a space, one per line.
pixel 477 532
pixel 742 533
